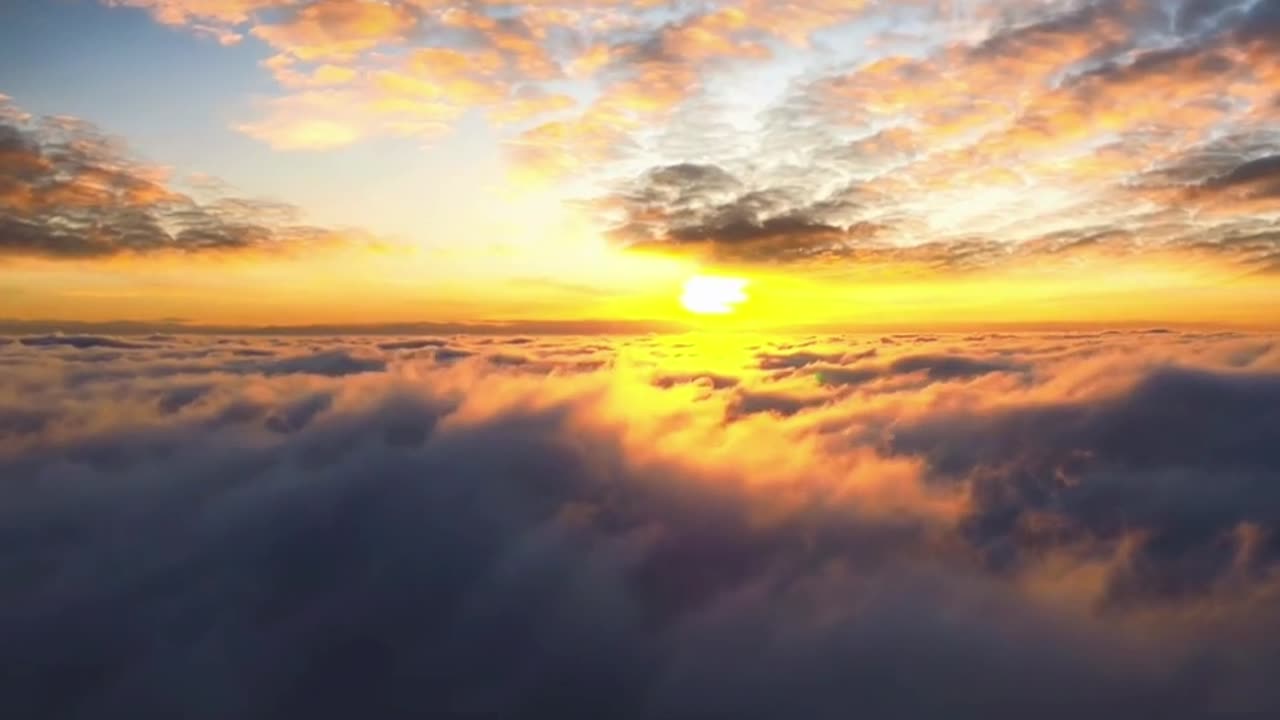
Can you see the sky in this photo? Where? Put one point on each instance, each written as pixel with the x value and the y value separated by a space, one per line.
pixel 855 163
pixel 628 359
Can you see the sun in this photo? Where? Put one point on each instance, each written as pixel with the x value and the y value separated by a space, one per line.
pixel 707 295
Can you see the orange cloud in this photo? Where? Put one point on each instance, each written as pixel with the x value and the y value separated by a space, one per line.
pixel 338 29
pixel 531 105
pixel 183 12
pixel 311 120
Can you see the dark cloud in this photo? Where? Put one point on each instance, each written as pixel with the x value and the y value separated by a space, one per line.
pixel 509 359
pixel 446 354
pixel 412 343
pixel 22 421
pixel 1237 172
pixel 802 358
pixel 68 191
pixel 705 207
pixel 1185 458
pixel 333 363
pixel 746 403
pixel 1173 417
pixel 1259 177
pixel 935 368
pixel 1258 23
pixel 718 382
pixel 82 341
pixel 1201 15
pixel 950 367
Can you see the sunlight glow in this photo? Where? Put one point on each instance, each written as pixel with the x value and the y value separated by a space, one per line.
pixel 707 295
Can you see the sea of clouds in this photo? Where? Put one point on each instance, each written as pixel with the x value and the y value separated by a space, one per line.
pixel 714 526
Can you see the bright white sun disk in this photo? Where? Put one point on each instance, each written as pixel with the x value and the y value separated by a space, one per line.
pixel 707 295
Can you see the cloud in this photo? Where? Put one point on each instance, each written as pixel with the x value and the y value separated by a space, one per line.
pixel 333 528
pixel 703 206
pixel 1025 125
pixel 935 137
pixel 82 341
pixel 1258 177
pixel 320 119
pixel 69 191
pixel 933 368
pixel 1175 466
pixel 183 12
pixel 504 58
pixel 334 364
pixel 336 29
pixel 415 344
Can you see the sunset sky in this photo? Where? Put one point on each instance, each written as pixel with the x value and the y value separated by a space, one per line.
pixel 639 360
pixel 857 163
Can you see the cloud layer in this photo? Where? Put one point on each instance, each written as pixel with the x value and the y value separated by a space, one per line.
pixel 681 526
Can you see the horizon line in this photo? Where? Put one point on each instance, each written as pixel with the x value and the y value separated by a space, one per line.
pixel 176 326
